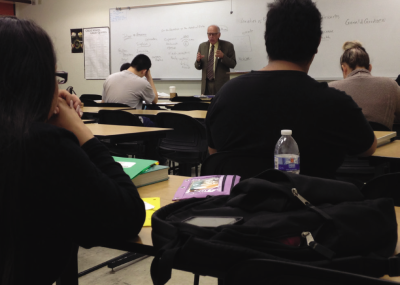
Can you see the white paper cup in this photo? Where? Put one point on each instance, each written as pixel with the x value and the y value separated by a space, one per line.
pixel 172 92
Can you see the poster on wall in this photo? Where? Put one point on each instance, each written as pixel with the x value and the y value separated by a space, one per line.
pixel 97 52
pixel 76 41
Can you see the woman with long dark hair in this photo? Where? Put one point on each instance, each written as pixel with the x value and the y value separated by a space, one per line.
pixel 59 187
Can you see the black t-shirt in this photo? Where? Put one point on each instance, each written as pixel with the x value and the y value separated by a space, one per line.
pixel 70 195
pixel 250 111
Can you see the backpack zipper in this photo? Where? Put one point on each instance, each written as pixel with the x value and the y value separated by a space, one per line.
pixel 301 198
pixel 308 236
pixel 316 246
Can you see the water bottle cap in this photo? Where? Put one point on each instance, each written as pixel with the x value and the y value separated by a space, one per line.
pixel 286 132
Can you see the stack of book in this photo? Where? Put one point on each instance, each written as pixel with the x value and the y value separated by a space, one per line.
pixel 154 174
pixel 142 171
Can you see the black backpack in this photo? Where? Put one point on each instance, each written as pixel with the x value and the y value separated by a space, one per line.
pixel 286 217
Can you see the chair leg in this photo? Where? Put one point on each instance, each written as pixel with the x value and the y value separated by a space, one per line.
pixel 196 279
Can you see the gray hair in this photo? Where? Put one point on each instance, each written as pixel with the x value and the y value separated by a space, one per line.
pixel 219 30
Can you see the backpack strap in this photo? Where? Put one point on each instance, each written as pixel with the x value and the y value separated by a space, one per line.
pixel 162 264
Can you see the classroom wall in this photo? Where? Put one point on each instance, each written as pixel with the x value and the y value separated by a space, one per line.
pixel 57 17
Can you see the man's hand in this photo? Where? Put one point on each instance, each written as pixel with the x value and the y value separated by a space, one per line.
pixel 150 80
pixel 199 57
pixel 148 75
pixel 219 54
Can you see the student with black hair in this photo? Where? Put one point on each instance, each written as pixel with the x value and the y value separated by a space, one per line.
pixel 59 186
pixel 249 112
pixel 132 86
pixel 378 97
pixel 125 66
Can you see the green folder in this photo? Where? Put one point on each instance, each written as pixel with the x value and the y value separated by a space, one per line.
pixel 134 166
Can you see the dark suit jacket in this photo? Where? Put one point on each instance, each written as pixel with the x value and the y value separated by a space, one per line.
pixel 222 65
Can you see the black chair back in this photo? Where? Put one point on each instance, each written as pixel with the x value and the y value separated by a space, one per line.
pixel 233 163
pixel 189 106
pixel 112 105
pixel 89 103
pixel 188 135
pixel 186 99
pixel 186 144
pixel 119 118
pixel 91 97
pixel 378 127
pixel 150 107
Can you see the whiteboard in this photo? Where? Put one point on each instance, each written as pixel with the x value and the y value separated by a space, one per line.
pixel 170 35
pixel 97 52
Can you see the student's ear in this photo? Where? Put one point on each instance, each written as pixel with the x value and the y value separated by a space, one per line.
pixel 344 70
pixel 370 68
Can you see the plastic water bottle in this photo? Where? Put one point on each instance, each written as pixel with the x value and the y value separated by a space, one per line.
pixel 286 155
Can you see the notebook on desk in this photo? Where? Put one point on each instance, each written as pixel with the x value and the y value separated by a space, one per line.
pixel 134 166
pixel 384 137
pixel 203 186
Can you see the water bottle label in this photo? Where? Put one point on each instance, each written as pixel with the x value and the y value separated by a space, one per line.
pixel 289 163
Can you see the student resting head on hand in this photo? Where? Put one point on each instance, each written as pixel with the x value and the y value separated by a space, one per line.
pixel 59 187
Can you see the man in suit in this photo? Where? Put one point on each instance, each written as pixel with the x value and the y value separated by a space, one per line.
pixel 214 57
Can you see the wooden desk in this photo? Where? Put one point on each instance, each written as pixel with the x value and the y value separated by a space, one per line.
pixel 127 133
pixel 193 114
pixel 390 150
pixel 95 110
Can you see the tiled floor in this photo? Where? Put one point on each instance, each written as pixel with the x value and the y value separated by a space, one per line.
pixel 132 274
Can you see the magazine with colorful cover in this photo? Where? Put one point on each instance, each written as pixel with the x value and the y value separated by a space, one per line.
pixel 203 186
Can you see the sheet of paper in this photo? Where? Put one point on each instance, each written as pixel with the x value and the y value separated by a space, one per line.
pixel 155 202
pixel 97 52
pixel 148 206
pixel 163 95
pixel 126 164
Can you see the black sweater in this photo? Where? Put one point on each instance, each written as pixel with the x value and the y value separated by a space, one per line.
pixel 71 195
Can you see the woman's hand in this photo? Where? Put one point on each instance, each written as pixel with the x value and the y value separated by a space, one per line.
pixel 65 117
pixel 70 99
